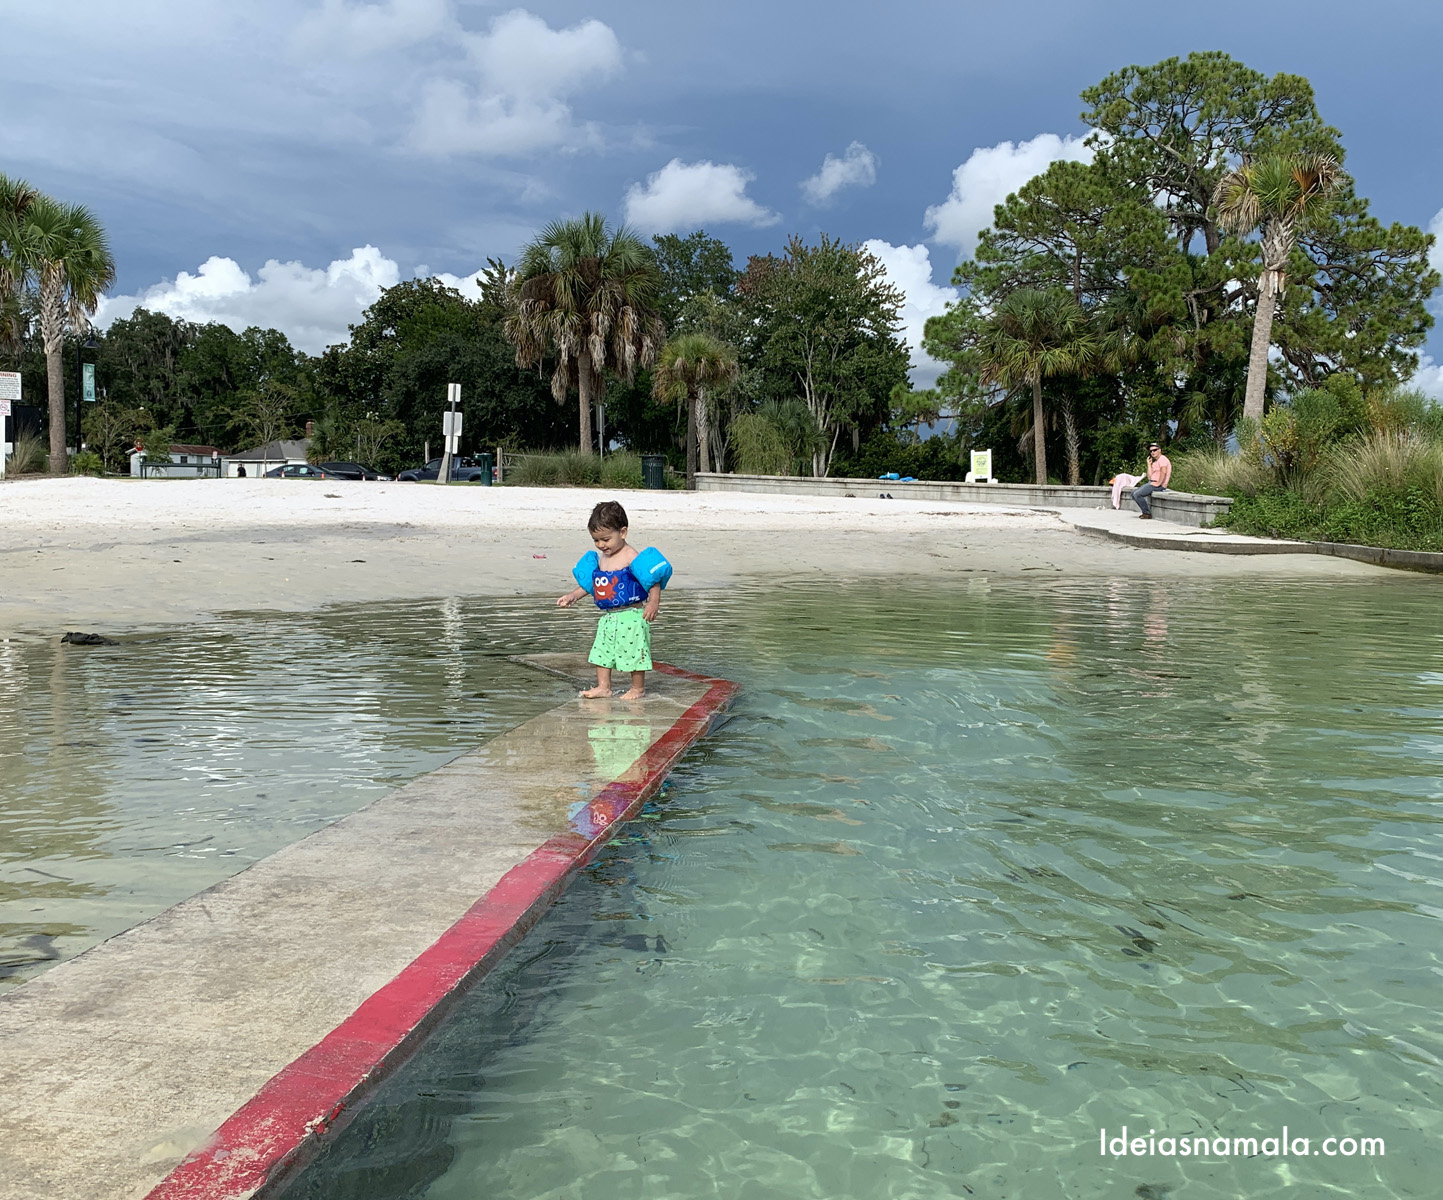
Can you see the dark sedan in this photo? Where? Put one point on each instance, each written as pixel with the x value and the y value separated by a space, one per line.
pixel 352 470
pixel 463 470
pixel 301 471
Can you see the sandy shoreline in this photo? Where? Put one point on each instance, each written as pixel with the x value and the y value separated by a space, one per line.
pixel 80 553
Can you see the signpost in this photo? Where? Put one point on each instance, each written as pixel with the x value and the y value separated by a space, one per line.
pixel 982 466
pixel 9 394
pixel 451 431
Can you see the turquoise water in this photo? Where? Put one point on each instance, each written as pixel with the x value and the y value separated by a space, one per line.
pixel 133 776
pixel 969 877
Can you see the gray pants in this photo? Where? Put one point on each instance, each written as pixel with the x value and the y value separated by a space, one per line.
pixel 1141 494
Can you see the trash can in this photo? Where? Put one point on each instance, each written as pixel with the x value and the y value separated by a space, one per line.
pixel 653 471
pixel 487 462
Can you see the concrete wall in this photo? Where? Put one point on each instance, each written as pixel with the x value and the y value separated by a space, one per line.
pixel 1185 508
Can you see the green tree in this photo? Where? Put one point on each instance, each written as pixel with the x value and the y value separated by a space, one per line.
pixel 265 413
pixel 691 365
pixel 690 266
pixel 1175 129
pixel 1031 336
pixel 416 338
pixel 68 256
pixel 586 296
pixel 1277 196
pixel 16 197
pixel 823 324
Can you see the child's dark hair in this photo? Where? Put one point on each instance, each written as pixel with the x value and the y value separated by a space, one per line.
pixel 607 515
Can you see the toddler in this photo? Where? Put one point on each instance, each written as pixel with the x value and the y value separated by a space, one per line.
pixel 626 585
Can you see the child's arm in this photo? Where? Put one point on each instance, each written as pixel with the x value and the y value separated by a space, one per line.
pixel 653 602
pixel 571 597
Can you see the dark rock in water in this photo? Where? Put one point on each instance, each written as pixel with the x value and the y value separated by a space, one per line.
pixel 88 639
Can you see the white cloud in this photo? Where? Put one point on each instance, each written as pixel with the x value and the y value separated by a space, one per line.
pixel 910 269
pixel 512 99
pixel 311 306
pixel 1429 378
pixel 988 177
pixel 356 30
pixel 465 284
pixel 856 168
pixel 688 195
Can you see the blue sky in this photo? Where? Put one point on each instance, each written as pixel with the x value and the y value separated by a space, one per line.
pixel 308 153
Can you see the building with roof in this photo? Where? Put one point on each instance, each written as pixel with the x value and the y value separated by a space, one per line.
pixel 261 459
pixel 186 462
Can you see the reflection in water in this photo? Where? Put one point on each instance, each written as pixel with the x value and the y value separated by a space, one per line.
pixel 133 776
pixel 967 878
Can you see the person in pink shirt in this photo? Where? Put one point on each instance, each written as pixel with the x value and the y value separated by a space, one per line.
pixel 1159 471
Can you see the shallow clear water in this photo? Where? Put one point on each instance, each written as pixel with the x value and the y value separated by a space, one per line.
pixel 133 776
pixel 967 878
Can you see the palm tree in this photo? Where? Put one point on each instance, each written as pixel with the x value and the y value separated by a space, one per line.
pixel 68 257
pixel 691 365
pixel 588 295
pixel 1277 196
pixel 1034 335
pixel 16 196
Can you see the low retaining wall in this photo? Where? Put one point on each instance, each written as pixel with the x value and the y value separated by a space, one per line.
pixel 1184 508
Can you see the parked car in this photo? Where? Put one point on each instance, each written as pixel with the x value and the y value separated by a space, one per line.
pixel 463 470
pixel 301 471
pixel 352 470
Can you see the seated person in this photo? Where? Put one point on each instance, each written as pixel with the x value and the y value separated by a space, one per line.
pixel 1159 471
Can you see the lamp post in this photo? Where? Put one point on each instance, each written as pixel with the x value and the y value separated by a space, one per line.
pixel 89 344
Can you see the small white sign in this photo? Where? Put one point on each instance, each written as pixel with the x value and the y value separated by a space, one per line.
pixel 451 424
pixel 9 385
pixel 982 466
pixel 4 406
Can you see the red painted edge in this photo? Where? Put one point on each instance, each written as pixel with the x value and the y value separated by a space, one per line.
pixel 278 1129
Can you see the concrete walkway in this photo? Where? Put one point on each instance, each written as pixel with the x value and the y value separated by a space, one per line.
pixel 240 1026
pixel 1126 525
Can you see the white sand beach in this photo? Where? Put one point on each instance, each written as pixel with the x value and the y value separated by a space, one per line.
pixel 93 554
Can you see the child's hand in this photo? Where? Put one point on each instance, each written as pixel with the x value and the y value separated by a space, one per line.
pixel 566 601
pixel 648 613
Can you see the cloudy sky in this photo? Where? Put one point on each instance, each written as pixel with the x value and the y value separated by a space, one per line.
pixel 277 162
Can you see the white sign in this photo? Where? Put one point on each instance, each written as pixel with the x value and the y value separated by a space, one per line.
pixel 451 424
pixel 982 466
pixel 9 386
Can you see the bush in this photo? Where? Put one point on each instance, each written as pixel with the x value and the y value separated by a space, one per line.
pixel 87 462
pixel 937 458
pixel 1216 472
pixel 29 457
pixel 571 468
pixel 1384 462
pixel 621 470
pixel 758 447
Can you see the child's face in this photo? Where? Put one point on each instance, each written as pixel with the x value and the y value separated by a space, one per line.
pixel 609 541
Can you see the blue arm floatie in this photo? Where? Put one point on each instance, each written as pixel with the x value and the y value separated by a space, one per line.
pixel 650 568
pixel 585 566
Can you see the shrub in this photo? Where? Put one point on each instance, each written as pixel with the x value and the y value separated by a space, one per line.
pixel 1384 463
pixel 1216 472
pixel 621 470
pixel 937 458
pixel 571 468
pixel 87 462
pixel 758 447
pixel 28 457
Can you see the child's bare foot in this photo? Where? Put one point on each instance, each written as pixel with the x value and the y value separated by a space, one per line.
pixel 633 694
pixel 595 693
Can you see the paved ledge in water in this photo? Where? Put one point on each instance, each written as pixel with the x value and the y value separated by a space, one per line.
pixel 239 1026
